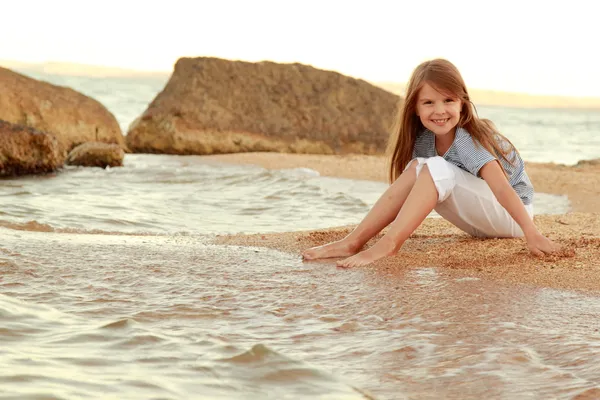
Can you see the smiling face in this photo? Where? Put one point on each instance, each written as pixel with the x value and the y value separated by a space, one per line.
pixel 438 112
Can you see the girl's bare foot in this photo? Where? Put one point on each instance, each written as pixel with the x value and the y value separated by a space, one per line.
pixel 341 248
pixel 385 247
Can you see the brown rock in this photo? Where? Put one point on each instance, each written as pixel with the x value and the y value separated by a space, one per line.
pixel 589 163
pixel 24 150
pixel 69 115
pixel 212 106
pixel 95 154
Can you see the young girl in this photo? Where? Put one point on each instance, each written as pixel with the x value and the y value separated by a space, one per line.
pixel 444 158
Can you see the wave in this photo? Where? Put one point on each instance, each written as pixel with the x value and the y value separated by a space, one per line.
pixel 261 365
pixel 35 226
pixel 47 345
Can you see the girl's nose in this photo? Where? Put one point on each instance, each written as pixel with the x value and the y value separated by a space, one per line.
pixel 439 108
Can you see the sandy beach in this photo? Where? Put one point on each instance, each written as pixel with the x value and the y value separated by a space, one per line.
pixel 436 243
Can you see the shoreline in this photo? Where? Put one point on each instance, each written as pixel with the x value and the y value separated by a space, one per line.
pixel 436 243
pixel 580 183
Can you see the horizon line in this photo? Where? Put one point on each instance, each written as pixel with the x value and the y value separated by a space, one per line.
pixel 128 71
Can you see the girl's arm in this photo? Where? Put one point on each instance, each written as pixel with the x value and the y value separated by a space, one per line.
pixel 494 176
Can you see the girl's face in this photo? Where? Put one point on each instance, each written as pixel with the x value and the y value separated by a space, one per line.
pixel 438 112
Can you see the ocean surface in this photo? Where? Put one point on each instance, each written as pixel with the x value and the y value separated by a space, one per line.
pixel 111 286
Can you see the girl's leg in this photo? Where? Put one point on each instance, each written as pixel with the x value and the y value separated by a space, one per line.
pixel 422 199
pixel 473 208
pixel 458 196
pixel 383 212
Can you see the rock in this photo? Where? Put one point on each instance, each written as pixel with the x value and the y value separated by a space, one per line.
pixel 24 150
pixel 212 106
pixel 588 163
pixel 94 154
pixel 71 117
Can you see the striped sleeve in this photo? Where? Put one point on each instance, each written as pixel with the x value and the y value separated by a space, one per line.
pixel 472 154
pixel 424 145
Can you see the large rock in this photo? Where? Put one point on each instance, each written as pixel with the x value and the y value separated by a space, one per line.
pixel 69 115
pixel 94 154
pixel 24 150
pixel 212 105
pixel 588 163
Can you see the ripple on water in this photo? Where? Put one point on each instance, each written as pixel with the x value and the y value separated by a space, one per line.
pixel 163 194
pixel 177 316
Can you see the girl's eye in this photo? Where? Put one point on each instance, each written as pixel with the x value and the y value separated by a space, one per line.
pixel 449 100
pixel 427 102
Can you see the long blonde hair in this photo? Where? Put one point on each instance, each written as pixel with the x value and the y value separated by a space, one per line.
pixel 444 77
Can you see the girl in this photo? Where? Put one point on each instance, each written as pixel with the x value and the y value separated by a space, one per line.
pixel 444 158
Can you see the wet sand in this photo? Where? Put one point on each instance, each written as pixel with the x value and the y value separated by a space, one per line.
pixel 436 243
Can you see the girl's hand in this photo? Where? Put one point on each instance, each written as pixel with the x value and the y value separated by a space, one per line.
pixel 540 245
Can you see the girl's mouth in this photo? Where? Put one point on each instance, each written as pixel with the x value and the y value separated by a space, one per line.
pixel 440 122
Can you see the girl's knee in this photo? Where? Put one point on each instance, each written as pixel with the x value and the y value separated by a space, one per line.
pixel 411 169
pixel 442 175
pixel 412 165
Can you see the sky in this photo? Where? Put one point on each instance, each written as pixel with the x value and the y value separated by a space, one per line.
pixel 525 46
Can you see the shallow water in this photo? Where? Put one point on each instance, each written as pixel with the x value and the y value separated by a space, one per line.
pixel 185 194
pixel 119 316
